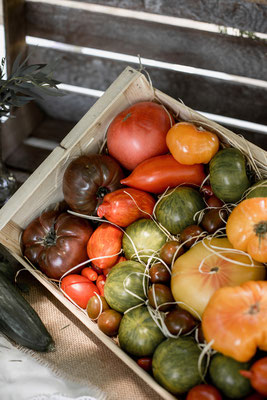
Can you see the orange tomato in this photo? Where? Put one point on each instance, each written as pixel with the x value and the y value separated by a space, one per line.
pixel 199 272
pixel 236 320
pixel 191 145
pixel 246 228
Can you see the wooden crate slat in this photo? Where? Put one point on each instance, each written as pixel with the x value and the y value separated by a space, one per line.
pixel 201 93
pixel 212 51
pixel 15 29
pixel 244 15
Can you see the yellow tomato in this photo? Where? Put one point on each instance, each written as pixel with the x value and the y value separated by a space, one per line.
pixel 191 145
pixel 198 273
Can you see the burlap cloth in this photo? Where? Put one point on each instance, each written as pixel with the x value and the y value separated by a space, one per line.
pixel 80 355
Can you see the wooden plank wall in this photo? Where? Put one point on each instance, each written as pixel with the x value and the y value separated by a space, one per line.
pixel 187 47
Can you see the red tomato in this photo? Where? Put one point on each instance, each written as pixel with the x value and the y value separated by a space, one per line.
pixel 138 133
pixel 89 273
pixel 105 242
pixel 100 283
pixel 156 174
pixel 124 206
pixel 145 363
pixel 79 289
pixel 258 375
pixel 56 242
pixel 203 392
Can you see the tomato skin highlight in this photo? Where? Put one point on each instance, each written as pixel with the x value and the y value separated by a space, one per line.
pixel 79 288
pixel 138 133
pixel 156 174
pixel 124 206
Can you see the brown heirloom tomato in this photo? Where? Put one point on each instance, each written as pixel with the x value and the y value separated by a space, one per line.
pixel 56 242
pixel 88 179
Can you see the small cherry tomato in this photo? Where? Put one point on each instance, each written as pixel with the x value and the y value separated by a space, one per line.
pixel 100 283
pixel 98 270
pixel 145 363
pixel 213 201
pixel 258 375
pixel 203 392
pixel 179 321
pixel 79 289
pixel 109 322
pixel 159 294
pixel 95 306
pixel 89 273
pixel 190 144
pixel 159 274
pixel 190 235
pixel 213 220
pixel 168 250
pixel 206 190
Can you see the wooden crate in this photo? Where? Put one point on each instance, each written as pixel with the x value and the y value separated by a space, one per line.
pixel 44 186
pixel 211 54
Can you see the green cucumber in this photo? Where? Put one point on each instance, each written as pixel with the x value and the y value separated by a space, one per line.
pixel 19 321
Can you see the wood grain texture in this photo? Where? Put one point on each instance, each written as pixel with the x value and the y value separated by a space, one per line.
pixel 201 93
pixel 248 15
pixel 218 52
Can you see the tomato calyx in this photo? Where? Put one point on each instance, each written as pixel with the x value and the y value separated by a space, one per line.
pixel 214 270
pixel 260 229
pixel 127 116
pixel 254 308
pixel 51 238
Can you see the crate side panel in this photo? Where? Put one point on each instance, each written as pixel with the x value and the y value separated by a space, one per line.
pixel 248 15
pixel 196 48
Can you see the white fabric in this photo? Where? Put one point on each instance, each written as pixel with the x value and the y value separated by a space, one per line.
pixel 23 378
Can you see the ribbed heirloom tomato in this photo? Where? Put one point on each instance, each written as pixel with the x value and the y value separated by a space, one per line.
pixel 246 227
pixel 191 145
pixel 138 133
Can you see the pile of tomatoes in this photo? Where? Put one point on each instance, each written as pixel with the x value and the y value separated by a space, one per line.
pixel 169 196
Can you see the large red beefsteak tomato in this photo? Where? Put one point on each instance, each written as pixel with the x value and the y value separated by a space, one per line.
pixel 138 133
pixel 56 242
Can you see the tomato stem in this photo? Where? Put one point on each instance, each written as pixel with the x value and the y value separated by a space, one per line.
pixel 50 239
pixel 260 229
